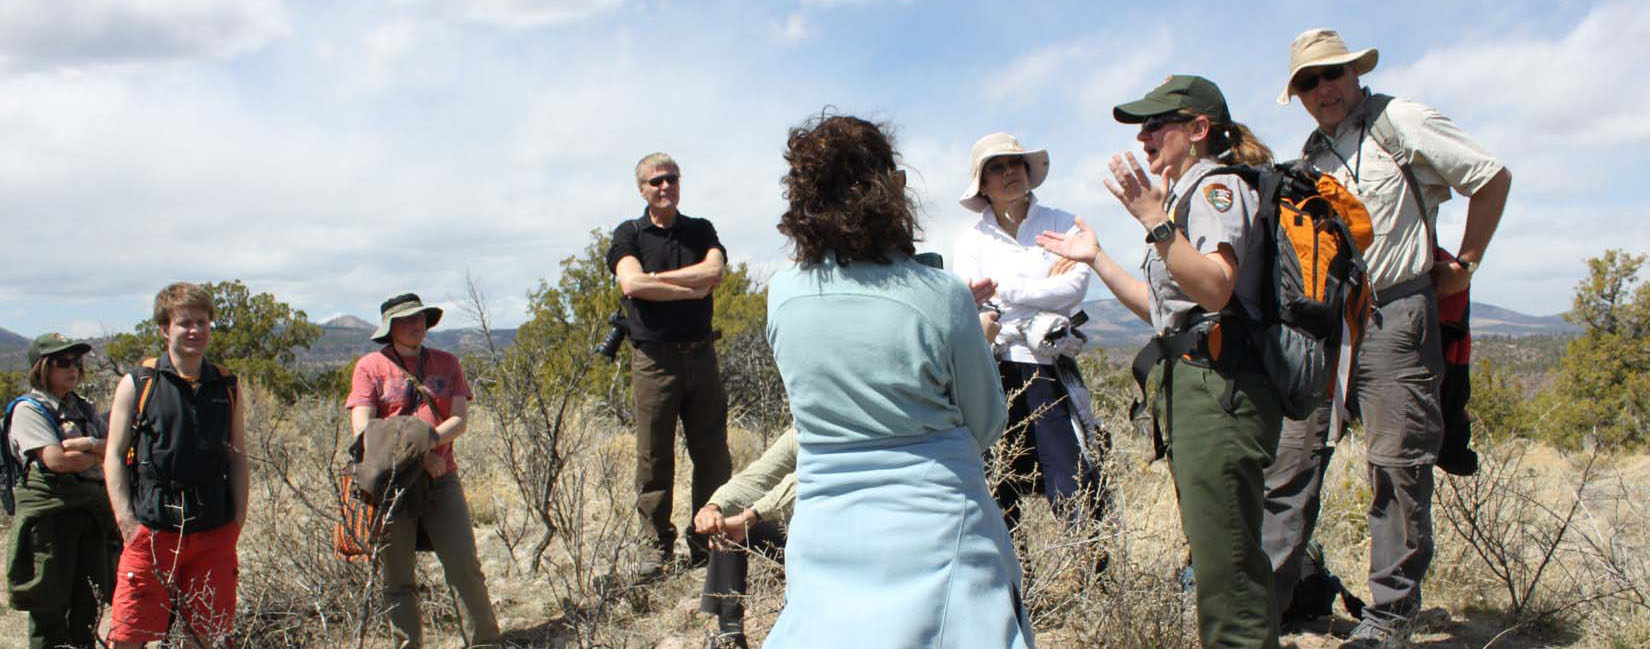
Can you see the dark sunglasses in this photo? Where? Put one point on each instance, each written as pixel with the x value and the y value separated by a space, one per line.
pixel 1307 80
pixel 660 180
pixel 64 361
pixel 1002 163
pixel 1156 122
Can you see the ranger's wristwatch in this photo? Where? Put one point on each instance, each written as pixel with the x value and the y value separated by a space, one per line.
pixel 1469 266
pixel 1163 231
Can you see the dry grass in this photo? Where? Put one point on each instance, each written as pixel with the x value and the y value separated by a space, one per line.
pixel 295 594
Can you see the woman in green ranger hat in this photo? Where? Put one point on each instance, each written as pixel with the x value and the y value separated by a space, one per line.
pixel 1221 415
pixel 59 565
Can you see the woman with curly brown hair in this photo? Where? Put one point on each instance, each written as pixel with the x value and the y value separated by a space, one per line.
pixel 895 540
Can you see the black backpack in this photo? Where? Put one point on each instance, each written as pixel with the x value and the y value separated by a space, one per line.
pixel 180 472
pixel 1313 303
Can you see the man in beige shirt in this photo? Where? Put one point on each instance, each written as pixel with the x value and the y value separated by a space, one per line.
pixel 1402 159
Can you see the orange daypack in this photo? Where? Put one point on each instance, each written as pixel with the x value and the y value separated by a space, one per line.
pixel 1314 301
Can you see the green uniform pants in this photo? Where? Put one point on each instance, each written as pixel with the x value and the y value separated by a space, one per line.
pixel 1219 459
pixel 60 568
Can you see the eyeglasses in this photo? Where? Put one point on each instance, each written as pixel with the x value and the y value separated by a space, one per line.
pixel 660 180
pixel 1157 122
pixel 1308 79
pixel 64 362
pixel 1001 164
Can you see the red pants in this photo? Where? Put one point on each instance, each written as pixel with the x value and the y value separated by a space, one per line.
pixel 163 575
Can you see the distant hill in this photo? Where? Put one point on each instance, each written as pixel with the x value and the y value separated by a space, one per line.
pixel 1110 325
pixel 349 322
pixel 14 349
pixel 1113 326
pixel 345 337
pixel 1491 319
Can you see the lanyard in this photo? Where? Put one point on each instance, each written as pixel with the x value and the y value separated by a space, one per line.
pixel 1356 166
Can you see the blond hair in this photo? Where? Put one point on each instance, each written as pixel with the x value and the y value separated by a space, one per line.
pixel 181 295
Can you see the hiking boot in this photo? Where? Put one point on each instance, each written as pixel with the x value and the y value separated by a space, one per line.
pixel 727 641
pixel 1371 635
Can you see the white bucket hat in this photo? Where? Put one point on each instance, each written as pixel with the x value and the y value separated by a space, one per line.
pixel 997 145
pixel 1319 46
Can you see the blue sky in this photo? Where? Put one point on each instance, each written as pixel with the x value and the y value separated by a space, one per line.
pixel 333 153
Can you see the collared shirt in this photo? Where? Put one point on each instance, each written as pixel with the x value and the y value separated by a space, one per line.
pixel 768 485
pixel 1220 209
pixel 686 242
pixel 1443 157
pixel 1020 268
pixel 32 431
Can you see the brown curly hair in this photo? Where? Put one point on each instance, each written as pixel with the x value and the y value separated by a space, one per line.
pixel 846 193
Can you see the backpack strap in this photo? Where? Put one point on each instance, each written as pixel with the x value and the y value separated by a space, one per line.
pixel 1391 140
pixel 15 470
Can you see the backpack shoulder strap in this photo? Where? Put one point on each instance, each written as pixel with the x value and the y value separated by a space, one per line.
pixel 51 416
pixel 144 380
pixel 1391 140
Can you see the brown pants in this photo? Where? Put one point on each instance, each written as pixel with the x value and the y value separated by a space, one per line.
pixel 677 382
pixel 445 517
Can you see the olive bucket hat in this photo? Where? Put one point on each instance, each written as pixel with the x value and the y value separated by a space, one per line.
pixel 1190 92
pixel 402 306
pixel 52 344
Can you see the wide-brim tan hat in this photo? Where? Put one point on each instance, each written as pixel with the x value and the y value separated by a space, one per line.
pixel 997 145
pixel 401 306
pixel 1319 46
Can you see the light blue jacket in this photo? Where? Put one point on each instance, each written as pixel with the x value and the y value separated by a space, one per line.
pixel 870 351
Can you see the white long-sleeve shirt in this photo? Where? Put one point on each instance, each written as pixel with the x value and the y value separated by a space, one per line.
pixel 1020 268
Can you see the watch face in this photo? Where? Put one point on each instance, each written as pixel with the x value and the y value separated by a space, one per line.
pixel 1160 232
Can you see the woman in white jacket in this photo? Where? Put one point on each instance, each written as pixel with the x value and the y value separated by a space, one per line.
pixel 1047 435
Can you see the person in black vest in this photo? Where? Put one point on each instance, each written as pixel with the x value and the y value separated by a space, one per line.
pixel 181 500
pixel 59 562
pixel 668 264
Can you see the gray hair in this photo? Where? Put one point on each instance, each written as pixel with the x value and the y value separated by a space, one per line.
pixel 655 160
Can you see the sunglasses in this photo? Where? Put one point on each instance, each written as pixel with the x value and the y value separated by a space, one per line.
pixel 1307 80
pixel 1001 164
pixel 64 362
pixel 660 180
pixel 1157 122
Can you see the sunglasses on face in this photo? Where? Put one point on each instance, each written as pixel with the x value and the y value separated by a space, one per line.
pixel 660 180
pixel 1156 123
pixel 64 362
pixel 1307 80
pixel 1003 164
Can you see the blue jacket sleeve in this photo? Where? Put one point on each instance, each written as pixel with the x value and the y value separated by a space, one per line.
pixel 975 386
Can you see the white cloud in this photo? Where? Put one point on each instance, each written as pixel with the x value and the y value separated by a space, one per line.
pixel 527 14
pixel 55 34
pixel 1023 80
pixel 794 29
pixel 1581 88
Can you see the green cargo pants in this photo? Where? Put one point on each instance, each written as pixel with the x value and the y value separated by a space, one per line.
pixel 1219 459
pixel 60 567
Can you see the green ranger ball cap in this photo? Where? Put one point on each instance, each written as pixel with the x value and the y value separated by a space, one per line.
pixel 1194 93
pixel 54 343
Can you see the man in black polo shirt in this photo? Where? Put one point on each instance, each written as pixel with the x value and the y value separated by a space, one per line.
pixel 668 264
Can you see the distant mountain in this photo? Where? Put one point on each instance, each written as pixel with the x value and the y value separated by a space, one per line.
pixel 1494 320
pixel 348 322
pixel 345 337
pixel 1111 325
pixel 14 349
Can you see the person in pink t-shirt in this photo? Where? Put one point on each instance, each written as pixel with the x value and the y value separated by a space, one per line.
pixel 408 378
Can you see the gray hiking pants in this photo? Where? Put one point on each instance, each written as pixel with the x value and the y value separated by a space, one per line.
pixel 1400 366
